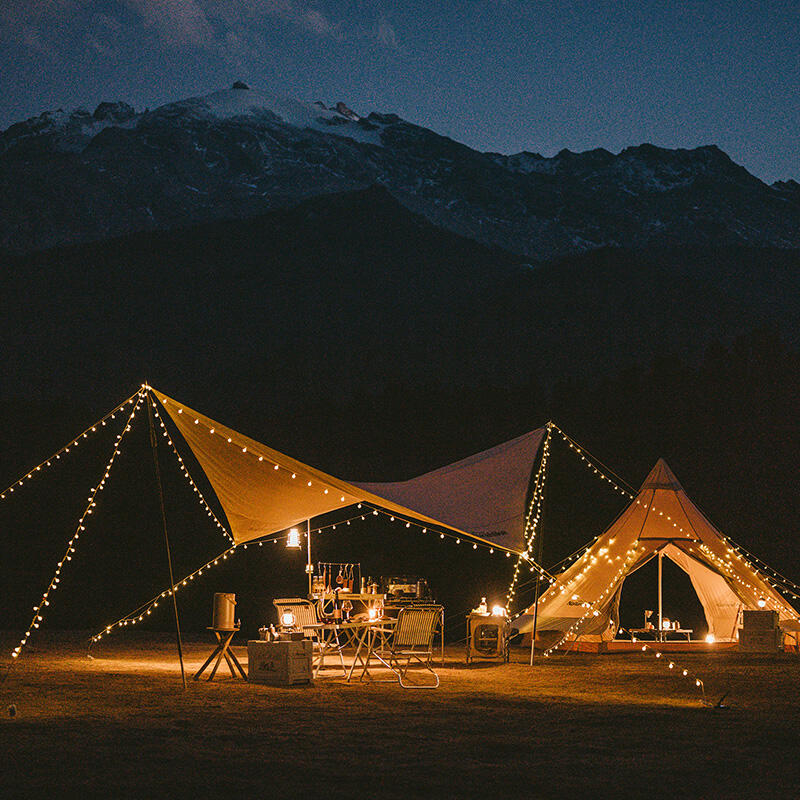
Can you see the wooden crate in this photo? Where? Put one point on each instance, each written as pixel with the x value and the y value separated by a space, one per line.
pixel 761 620
pixel 279 663
pixel 760 641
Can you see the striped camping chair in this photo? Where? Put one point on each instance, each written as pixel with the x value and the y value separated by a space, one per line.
pixel 412 641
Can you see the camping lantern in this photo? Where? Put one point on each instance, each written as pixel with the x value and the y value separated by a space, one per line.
pixel 761 602
pixel 498 611
pixel 287 619
pixel 372 613
pixel 293 539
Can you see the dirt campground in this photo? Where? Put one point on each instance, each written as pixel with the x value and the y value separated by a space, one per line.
pixel 120 725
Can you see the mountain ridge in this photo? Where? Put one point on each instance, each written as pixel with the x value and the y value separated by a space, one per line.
pixel 236 153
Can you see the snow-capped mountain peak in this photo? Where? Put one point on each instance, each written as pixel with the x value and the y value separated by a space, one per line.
pixel 237 152
pixel 241 101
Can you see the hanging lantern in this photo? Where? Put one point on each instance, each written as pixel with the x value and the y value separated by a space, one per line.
pixel 293 539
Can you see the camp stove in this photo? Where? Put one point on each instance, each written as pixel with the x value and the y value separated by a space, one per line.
pixel 406 591
pixel 406 587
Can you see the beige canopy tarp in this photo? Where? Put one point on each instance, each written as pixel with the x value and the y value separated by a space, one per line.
pixel 661 518
pixel 485 494
pixel 263 491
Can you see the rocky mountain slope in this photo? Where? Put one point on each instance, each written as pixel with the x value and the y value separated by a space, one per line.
pixel 80 176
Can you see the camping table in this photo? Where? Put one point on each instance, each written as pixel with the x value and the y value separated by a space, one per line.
pixel 661 636
pixel 223 650
pixel 328 634
pixel 369 632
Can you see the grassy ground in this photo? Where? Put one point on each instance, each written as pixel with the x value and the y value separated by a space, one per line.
pixel 579 725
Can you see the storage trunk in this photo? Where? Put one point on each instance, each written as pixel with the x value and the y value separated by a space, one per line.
pixel 760 641
pixel 760 620
pixel 279 663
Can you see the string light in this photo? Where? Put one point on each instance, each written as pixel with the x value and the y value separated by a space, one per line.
pixel 56 456
pixel 671 665
pixel 532 519
pixel 146 609
pixel 56 579
pixel 270 461
pixel 185 471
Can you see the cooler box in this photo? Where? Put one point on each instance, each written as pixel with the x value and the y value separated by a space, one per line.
pixel 279 663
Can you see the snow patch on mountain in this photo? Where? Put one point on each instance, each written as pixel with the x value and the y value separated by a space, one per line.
pixel 234 103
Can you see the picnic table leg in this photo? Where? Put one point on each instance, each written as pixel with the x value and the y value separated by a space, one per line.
pixel 341 653
pixel 364 635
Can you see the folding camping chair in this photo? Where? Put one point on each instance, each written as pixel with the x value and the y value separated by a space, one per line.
pixel 305 615
pixel 411 639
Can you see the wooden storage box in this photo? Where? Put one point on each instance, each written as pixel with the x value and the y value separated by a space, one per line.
pixel 760 641
pixel 279 663
pixel 760 620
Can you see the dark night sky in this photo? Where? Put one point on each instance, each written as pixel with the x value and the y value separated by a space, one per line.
pixel 505 75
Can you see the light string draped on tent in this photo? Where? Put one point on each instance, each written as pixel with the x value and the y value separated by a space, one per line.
pixel 56 456
pixel 185 471
pixel 145 610
pixel 295 471
pixel 726 569
pixel 38 615
pixel 603 473
pixel 532 520
pixel 139 614
pixel 591 612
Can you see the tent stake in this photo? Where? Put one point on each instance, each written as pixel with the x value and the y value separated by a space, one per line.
pixel 154 446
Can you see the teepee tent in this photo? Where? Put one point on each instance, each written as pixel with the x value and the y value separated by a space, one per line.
pixel 661 521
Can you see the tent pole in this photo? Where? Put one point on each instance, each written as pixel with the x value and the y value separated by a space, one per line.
pixel 309 567
pixel 660 561
pixel 154 446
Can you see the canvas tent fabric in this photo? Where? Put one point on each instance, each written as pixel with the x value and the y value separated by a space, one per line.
pixel 485 494
pixel 661 518
pixel 263 491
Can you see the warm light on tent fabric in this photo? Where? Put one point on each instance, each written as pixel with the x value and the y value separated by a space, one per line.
pixel 260 500
pixel 484 494
pixel 660 517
